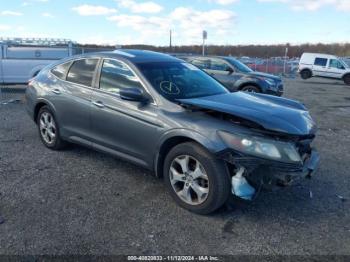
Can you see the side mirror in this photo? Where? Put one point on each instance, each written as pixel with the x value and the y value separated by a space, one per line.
pixel 229 70
pixel 133 94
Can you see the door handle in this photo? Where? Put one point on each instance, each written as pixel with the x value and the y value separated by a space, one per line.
pixel 56 91
pixel 98 104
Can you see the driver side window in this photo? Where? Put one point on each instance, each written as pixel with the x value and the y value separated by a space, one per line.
pixel 116 76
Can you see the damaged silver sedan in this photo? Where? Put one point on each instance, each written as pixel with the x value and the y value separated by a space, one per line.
pixel 169 116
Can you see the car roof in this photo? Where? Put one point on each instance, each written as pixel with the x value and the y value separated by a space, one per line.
pixel 317 54
pixel 137 56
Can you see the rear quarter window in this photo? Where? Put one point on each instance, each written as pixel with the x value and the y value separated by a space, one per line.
pixel 82 71
pixel 321 61
pixel 61 70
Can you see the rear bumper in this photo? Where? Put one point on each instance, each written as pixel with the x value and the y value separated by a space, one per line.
pixel 29 103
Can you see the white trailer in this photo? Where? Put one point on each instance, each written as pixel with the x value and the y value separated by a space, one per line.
pixel 21 59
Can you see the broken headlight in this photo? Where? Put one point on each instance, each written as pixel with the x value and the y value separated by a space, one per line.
pixel 261 147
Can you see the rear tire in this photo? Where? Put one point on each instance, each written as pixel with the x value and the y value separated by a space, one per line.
pixel 188 169
pixel 49 130
pixel 306 74
pixel 251 89
pixel 346 79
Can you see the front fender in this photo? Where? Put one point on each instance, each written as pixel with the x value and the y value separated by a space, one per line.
pixel 206 142
pixel 193 135
pixel 345 74
pixel 250 81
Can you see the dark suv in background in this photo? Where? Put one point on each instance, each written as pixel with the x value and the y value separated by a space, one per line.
pixel 236 76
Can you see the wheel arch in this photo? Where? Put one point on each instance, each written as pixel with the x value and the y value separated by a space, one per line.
pixel 39 105
pixel 178 137
pixel 306 69
pixel 346 75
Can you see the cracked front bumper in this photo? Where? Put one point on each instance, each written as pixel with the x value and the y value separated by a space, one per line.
pixel 269 171
pixel 311 163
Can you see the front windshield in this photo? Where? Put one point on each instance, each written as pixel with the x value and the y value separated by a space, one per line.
pixel 344 63
pixel 176 80
pixel 239 65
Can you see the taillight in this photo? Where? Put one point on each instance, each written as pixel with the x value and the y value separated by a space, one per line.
pixel 31 81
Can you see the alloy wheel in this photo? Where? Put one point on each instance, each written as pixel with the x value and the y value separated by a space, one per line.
pixel 250 90
pixel 189 180
pixel 47 128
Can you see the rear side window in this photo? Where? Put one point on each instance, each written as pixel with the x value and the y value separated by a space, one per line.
pixel 61 70
pixel 82 71
pixel 201 63
pixel 321 61
pixel 116 75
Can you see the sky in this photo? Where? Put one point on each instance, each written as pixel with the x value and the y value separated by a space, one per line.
pixel 228 22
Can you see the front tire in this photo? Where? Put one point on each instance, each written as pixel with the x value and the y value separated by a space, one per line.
pixel 305 74
pixel 251 89
pixel 347 79
pixel 196 180
pixel 48 129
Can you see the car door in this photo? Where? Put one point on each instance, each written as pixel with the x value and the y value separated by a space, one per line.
pixel 335 69
pixel 320 66
pixel 125 128
pixel 72 98
pixel 223 72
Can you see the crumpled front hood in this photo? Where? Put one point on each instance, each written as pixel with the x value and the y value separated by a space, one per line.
pixel 271 112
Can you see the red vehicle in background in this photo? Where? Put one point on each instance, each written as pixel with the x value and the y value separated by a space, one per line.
pixel 273 66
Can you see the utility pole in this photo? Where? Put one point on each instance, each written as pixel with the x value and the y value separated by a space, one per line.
pixel 205 36
pixel 170 41
pixel 285 60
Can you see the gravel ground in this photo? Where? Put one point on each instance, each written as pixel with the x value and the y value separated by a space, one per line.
pixel 79 201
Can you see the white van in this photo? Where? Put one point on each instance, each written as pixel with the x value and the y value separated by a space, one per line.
pixel 323 65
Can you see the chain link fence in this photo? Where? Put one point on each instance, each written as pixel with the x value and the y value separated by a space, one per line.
pixel 278 66
pixel 275 66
